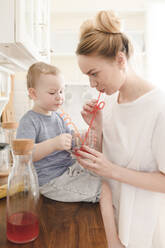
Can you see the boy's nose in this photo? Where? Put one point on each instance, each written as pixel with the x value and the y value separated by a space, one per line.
pixel 58 96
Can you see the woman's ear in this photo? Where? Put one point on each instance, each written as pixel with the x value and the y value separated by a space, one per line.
pixel 32 93
pixel 121 60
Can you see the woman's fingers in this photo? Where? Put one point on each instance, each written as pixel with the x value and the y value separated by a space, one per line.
pixel 87 164
pixel 83 113
pixel 88 108
pixel 87 153
pixel 90 151
pixel 90 105
pixel 91 102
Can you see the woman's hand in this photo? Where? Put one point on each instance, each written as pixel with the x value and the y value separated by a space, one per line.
pixel 95 162
pixel 89 110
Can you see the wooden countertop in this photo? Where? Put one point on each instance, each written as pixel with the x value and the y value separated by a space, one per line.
pixel 62 225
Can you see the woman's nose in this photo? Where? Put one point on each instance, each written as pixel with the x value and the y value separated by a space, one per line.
pixel 93 83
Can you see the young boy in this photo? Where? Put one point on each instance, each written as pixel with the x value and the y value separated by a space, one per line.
pixel 60 177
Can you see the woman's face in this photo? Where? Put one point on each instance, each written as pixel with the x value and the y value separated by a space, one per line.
pixel 104 74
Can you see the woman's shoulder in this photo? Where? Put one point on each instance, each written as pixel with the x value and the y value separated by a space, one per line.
pixel 158 99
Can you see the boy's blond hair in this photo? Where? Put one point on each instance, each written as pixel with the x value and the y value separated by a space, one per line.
pixel 37 69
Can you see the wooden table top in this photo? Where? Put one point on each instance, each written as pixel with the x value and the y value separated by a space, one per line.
pixel 62 225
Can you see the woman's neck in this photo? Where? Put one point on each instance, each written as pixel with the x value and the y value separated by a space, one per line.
pixel 133 87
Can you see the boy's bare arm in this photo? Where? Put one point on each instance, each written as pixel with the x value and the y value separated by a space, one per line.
pixel 43 149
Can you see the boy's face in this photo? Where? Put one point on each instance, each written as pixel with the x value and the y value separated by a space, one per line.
pixel 49 92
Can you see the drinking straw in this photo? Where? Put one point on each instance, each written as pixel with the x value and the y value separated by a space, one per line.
pixel 97 107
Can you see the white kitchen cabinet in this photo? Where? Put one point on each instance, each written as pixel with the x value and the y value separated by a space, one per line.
pixel 24 36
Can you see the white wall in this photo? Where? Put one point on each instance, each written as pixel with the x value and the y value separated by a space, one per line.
pixel 86 5
pixel 156 42
pixel 21 99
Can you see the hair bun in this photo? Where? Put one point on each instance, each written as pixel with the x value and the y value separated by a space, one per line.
pixel 107 22
pixel 86 27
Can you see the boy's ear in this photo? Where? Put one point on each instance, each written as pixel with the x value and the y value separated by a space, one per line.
pixel 121 59
pixel 32 93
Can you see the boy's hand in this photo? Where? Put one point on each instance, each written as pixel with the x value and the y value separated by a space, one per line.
pixel 63 141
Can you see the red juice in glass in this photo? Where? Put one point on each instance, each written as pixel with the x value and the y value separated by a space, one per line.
pixel 22 227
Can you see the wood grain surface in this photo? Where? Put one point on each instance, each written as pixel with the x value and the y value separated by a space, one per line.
pixel 62 225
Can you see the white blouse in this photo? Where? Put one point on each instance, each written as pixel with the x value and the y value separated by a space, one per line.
pixel 134 137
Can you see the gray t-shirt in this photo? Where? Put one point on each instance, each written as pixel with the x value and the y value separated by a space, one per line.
pixel 41 127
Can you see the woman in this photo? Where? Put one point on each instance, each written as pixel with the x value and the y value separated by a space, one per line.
pixel 133 137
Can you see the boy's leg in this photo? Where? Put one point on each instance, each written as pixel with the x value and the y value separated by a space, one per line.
pixel 75 185
pixel 107 212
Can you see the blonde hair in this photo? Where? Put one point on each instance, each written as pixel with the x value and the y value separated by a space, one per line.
pixel 103 37
pixel 37 69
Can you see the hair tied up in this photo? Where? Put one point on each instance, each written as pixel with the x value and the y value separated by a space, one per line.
pixel 106 32
pixel 102 36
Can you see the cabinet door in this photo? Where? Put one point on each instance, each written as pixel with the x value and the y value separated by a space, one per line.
pixel 32 26
pixel 24 21
pixel 24 26
pixel 7 21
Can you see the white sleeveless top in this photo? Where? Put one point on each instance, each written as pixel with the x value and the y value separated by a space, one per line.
pixel 134 137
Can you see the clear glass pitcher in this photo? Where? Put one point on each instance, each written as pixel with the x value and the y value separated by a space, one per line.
pixel 22 195
pixel 9 129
